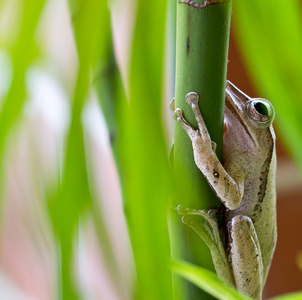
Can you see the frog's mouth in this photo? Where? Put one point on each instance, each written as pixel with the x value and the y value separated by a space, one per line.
pixel 235 99
pixel 235 105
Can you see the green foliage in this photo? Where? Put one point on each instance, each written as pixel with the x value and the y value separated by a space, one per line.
pixel 22 54
pixel 73 196
pixel 136 128
pixel 147 185
pixel 207 281
pixel 292 296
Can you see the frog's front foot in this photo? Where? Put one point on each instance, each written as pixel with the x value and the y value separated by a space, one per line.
pixel 192 99
pixel 178 116
pixel 199 5
pixel 200 137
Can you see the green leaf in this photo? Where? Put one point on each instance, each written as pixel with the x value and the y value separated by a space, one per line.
pixel 73 196
pixel 146 173
pixel 292 296
pixel 22 54
pixel 207 280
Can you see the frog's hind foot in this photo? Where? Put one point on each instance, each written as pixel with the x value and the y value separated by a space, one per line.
pixel 208 230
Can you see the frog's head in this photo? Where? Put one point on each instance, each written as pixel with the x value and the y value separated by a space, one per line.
pixel 248 121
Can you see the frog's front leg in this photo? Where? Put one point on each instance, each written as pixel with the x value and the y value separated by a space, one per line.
pixel 228 187
pixel 245 256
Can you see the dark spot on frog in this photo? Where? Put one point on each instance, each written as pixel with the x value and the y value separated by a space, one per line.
pixel 215 182
pixel 216 174
pixel 256 214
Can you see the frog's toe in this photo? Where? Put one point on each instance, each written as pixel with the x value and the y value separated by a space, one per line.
pixel 212 213
pixel 192 98
pixel 177 116
pixel 172 104
pixel 214 146
pixel 184 210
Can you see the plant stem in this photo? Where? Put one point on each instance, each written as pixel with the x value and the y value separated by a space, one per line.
pixel 201 61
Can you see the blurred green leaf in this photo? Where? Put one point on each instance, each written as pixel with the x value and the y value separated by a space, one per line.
pixel 112 99
pixel 147 178
pixel 22 54
pixel 207 281
pixel 292 296
pixel 269 34
pixel 91 26
pixel 73 196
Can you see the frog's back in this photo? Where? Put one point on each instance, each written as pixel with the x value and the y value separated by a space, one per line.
pixel 265 221
pixel 259 203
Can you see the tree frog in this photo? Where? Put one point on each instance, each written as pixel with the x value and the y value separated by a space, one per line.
pixel 245 184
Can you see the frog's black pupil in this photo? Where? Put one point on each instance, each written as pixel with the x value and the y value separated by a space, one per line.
pixel 261 108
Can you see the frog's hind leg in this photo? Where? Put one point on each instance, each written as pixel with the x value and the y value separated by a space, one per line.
pixel 206 226
pixel 245 256
pixel 229 188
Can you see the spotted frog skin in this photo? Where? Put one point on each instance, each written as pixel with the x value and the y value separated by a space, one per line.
pixel 244 183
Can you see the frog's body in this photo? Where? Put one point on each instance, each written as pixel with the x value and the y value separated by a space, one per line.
pixel 253 149
pixel 244 183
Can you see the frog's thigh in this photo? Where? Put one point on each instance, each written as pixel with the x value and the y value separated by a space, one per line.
pixel 245 256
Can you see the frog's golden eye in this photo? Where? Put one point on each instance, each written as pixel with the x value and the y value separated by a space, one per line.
pixel 261 111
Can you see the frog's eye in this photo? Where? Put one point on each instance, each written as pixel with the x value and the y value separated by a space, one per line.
pixel 261 111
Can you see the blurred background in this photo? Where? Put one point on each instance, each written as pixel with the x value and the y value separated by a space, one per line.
pixel 33 163
pixel 35 144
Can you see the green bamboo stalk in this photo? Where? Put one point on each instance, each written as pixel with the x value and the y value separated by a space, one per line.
pixel 201 61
